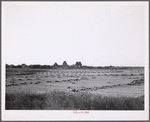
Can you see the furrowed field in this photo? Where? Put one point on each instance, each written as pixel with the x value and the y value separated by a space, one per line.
pixel 75 89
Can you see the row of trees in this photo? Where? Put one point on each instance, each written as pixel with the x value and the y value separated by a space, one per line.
pixel 55 66
pixel 28 66
pixel 66 66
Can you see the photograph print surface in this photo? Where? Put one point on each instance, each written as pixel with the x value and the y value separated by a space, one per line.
pixel 76 58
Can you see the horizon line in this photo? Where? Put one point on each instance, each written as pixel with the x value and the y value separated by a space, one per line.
pixel 82 65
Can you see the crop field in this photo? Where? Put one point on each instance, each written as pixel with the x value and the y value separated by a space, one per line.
pixel 71 89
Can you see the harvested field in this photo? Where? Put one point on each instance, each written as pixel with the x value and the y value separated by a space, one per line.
pixel 116 84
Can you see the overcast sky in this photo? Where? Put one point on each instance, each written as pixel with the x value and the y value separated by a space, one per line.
pixel 94 33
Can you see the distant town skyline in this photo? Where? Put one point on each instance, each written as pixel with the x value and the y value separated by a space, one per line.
pixel 94 33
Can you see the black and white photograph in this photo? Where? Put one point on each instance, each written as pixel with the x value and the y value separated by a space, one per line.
pixel 72 60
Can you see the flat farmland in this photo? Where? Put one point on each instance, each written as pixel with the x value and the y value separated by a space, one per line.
pixel 116 83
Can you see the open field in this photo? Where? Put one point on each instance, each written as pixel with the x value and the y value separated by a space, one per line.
pixel 102 86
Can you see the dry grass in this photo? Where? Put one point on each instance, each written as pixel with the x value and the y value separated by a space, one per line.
pixel 57 100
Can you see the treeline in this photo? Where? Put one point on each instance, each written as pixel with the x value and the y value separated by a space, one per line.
pixel 55 66
pixel 77 65
pixel 37 66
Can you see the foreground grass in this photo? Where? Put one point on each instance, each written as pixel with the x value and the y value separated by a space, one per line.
pixel 63 101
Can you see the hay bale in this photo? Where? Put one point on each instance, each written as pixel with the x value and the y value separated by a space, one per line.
pixel 48 81
pixel 93 77
pixel 24 83
pixel 74 90
pixel 7 85
pixel 56 81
